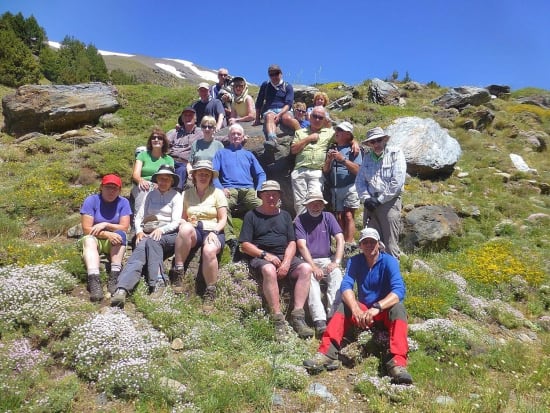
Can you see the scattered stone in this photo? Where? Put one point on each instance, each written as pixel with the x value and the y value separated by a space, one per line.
pixel 542 101
pixel 540 216
pixel 429 150
pixel 345 102
pixel 536 139
pixel 460 97
pixel 505 176
pixel 544 322
pixel 75 232
pixel 177 344
pixel 499 90
pixel 463 174
pixel 445 400
pixel 277 400
pixel 520 164
pixel 318 389
pixel 173 385
pixel 383 93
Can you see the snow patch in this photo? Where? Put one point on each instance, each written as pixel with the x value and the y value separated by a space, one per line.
pixel 206 75
pixel 170 69
pixel 106 53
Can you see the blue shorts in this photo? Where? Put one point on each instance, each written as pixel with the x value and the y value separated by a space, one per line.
pixel 202 234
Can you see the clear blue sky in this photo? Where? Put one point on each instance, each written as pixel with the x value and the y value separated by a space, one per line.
pixel 455 43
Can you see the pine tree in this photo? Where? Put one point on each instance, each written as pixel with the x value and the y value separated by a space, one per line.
pixel 17 64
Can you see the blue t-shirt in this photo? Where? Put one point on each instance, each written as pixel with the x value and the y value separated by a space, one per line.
pixel 339 175
pixel 103 211
pixel 317 232
pixel 375 283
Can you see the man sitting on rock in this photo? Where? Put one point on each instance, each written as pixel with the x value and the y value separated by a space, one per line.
pixel 240 175
pixel 210 107
pixel 314 230
pixel 268 238
pixel 381 291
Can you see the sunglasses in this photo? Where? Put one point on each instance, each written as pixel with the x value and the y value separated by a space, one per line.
pixel 207 127
pixel 317 117
pixel 156 138
pixel 273 74
pixel 299 111
pixel 223 74
pixel 375 141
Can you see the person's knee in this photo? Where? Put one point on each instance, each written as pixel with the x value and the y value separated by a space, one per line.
pixel 185 230
pixel 269 272
pixel 209 251
pixel 398 312
pixel 303 271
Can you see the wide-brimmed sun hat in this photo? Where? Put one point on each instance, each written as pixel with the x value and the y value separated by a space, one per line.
pixel 270 186
pixel 166 170
pixel 314 196
pixel 375 133
pixel 204 164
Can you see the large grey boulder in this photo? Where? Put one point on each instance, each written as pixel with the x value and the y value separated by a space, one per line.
pixel 429 227
pixel 304 94
pixel 429 150
pixel 460 97
pixel 57 108
pixel 383 93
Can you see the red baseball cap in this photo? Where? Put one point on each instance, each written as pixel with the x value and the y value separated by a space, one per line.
pixel 112 179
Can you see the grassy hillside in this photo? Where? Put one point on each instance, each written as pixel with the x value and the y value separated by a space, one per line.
pixel 476 310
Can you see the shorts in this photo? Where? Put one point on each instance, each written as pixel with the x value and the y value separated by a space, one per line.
pixel 103 245
pixel 345 197
pixel 202 234
pixel 274 110
pixel 256 265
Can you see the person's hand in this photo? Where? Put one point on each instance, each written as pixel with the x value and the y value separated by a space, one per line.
pixel 226 192
pixel 232 121
pixel 212 238
pixel 371 204
pixel 331 267
pixel 114 238
pixel 97 228
pixel 355 147
pixel 156 234
pixel 317 272
pixel 139 237
pixel 282 270
pixel 277 118
pixel 144 184
pixel 314 137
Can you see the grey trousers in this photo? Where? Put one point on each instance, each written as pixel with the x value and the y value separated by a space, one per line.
pixel 386 219
pixel 148 255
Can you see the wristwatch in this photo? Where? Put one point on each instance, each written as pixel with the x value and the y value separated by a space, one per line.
pixel 377 306
pixel 263 254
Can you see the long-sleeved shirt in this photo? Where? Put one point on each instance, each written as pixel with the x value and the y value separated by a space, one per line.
pixel 238 168
pixel 375 283
pixel 167 207
pixel 382 178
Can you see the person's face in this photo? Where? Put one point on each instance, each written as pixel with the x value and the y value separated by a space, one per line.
pixel 369 247
pixel 275 76
pixel 236 137
pixel 319 101
pixel 109 192
pixel 378 144
pixel 188 118
pixel 203 93
pixel 203 177
pixel 315 208
pixel 299 113
pixel 270 198
pixel 342 138
pixel 317 118
pixel 222 75
pixel 208 129
pixel 238 88
pixel 164 182
pixel 156 141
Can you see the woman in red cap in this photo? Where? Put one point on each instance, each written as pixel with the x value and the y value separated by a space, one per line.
pixel 105 218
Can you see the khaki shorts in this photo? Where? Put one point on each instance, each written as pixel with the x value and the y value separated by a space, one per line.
pixel 345 197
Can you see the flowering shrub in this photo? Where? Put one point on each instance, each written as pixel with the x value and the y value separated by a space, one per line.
pixel 428 295
pixel 291 377
pixel 18 356
pixel 497 262
pixel 113 350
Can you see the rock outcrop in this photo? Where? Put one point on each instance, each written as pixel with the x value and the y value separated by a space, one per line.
pixel 57 108
pixel 429 150
pixel 383 93
pixel 460 97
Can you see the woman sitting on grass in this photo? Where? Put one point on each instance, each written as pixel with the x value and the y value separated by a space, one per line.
pixel 105 218
pixel 157 221
pixel 205 215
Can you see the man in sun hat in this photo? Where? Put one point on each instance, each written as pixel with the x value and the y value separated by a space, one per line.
pixel 381 291
pixel 274 103
pixel 380 182
pixel 315 229
pixel 105 219
pixel 211 107
pixel 267 237
pixel 340 169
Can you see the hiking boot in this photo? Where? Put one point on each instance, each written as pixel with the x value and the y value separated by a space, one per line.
pixel 119 298
pixel 176 279
pixel 94 287
pixel 298 323
pixel 112 281
pixel 280 326
pixel 157 290
pixel 208 298
pixel 320 362
pixel 398 374
pixel 320 327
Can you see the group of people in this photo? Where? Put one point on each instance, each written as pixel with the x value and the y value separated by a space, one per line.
pixel 187 185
